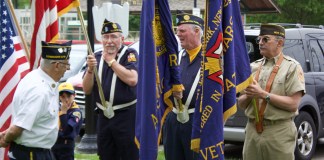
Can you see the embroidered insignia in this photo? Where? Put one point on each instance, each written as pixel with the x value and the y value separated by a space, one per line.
pixel 77 114
pixel 186 17
pixel 131 57
pixel 60 50
pixel 301 75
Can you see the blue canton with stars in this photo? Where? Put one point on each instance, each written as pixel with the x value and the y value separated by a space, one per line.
pixel 6 34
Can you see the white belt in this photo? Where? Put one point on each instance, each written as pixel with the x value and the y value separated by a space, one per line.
pixel 191 110
pixel 120 106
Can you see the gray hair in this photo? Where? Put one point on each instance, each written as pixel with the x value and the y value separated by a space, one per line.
pixel 201 32
pixel 279 38
pixel 46 63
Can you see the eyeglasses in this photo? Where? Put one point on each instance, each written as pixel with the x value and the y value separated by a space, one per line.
pixel 66 64
pixel 112 37
pixel 263 39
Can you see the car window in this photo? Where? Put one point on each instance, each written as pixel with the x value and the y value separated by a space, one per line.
pixel 321 42
pixel 253 48
pixel 317 55
pixel 294 49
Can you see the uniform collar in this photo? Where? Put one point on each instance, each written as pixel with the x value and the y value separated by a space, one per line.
pixel 193 53
pixel 74 105
pixel 273 60
pixel 47 79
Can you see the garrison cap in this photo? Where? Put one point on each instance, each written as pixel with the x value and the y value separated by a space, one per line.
pixel 56 51
pixel 110 27
pixel 272 29
pixel 66 87
pixel 185 18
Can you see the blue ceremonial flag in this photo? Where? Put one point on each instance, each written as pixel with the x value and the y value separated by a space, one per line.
pixel 225 72
pixel 158 75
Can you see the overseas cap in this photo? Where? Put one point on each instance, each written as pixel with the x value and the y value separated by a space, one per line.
pixel 185 18
pixel 66 87
pixel 272 29
pixel 56 51
pixel 110 27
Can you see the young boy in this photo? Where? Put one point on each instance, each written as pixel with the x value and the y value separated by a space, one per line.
pixel 70 123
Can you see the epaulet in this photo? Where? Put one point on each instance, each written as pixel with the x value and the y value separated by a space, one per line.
pixel 259 60
pixel 288 58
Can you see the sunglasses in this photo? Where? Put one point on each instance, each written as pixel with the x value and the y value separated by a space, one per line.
pixel 263 39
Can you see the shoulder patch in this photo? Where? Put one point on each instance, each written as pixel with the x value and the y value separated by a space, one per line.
pixel 77 114
pixel 131 57
pixel 300 75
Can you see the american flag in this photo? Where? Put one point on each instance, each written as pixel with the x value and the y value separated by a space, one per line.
pixel 13 66
pixel 44 20
pixel 44 17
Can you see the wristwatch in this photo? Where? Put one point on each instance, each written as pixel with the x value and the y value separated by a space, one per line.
pixel 267 98
pixel 111 62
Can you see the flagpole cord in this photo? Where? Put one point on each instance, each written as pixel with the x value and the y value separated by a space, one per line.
pixel 90 52
pixel 12 10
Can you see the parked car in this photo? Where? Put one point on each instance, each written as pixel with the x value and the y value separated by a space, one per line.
pixel 306 45
pixel 76 80
pixel 78 56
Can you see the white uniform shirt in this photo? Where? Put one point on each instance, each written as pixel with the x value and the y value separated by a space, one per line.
pixel 35 108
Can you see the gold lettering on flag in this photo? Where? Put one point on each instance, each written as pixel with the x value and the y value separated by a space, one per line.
pixel 205 115
pixel 212 151
pixel 173 60
pixel 216 96
pixel 229 84
pixel 228 35
pixel 217 21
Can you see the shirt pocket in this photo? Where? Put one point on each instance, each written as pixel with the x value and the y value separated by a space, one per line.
pixel 278 86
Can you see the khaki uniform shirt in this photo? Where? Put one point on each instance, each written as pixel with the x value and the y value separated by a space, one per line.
pixel 289 80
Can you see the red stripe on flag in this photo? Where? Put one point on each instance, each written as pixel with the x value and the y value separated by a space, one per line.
pixel 7 77
pixel 43 15
pixel 39 13
pixel 13 67
pixel 17 47
pixel 11 72
pixel 5 103
pixel 52 31
pixel 64 6
pixel 5 125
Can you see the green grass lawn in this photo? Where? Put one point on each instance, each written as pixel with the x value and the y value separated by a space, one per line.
pixel 95 157
pixel 78 156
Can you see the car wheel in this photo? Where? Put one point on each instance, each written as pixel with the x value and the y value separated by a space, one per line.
pixel 306 136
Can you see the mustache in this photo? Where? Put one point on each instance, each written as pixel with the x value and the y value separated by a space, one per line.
pixel 109 45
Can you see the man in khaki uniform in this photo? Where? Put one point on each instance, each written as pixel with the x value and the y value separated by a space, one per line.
pixel 270 131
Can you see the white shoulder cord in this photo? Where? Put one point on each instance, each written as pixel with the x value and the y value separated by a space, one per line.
pixel 113 81
pixel 194 85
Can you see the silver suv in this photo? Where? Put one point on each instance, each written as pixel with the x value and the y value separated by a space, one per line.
pixel 306 45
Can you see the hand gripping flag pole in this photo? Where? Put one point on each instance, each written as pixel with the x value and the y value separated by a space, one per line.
pixel 90 52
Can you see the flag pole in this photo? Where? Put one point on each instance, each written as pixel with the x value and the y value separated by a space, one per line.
pixel 90 52
pixel 19 29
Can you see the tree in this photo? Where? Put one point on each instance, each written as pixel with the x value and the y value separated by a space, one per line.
pixel 308 12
